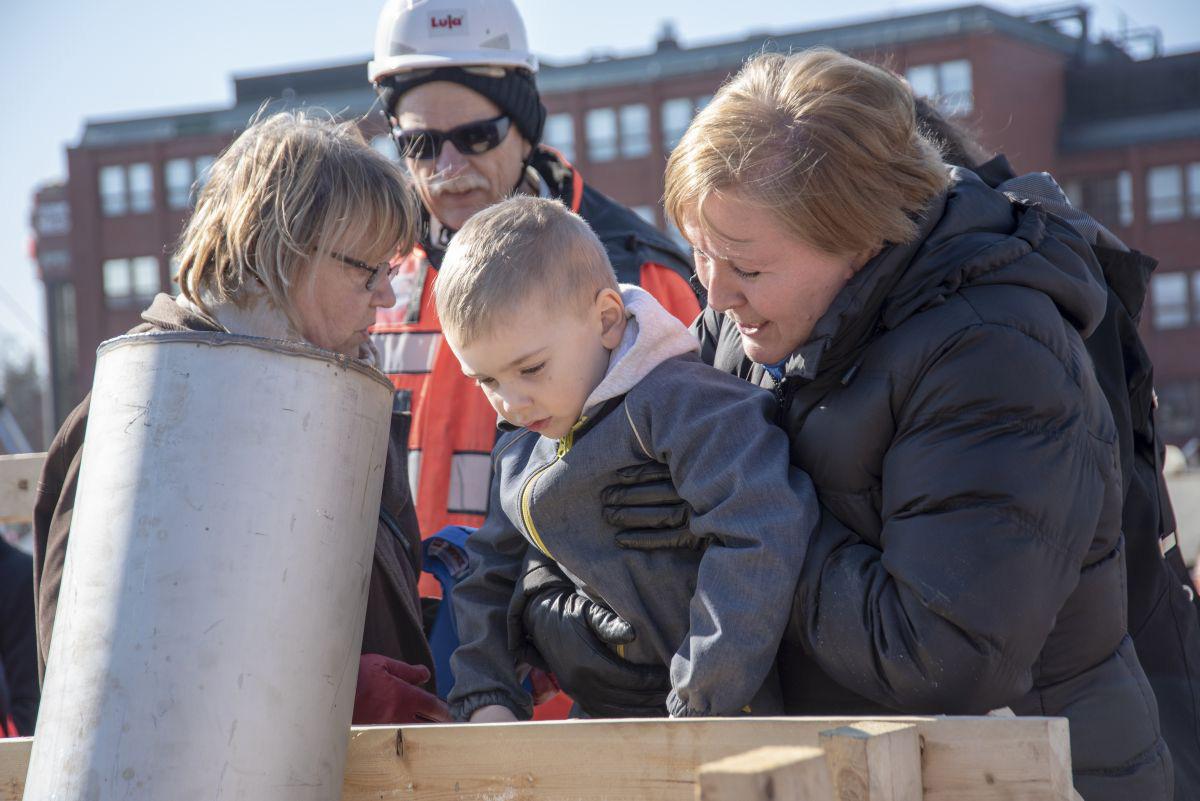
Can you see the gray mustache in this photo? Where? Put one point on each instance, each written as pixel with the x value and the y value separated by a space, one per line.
pixel 462 183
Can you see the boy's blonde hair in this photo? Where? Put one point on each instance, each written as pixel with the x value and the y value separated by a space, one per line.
pixel 825 144
pixel 292 187
pixel 521 249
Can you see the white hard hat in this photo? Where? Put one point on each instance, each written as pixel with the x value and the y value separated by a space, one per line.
pixel 426 34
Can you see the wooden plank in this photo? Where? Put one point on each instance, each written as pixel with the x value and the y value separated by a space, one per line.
pixel 963 759
pixel 972 759
pixel 774 773
pixel 14 759
pixel 874 761
pixel 543 761
pixel 1029 757
pixel 18 483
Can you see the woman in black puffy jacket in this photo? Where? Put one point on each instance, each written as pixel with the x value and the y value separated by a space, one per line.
pixel 923 335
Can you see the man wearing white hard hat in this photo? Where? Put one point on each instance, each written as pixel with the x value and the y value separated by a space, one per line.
pixel 457 83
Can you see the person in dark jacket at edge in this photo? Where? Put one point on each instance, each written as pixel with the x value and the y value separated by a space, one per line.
pixel 19 691
pixel 1163 619
pixel 970 554
pixel 290 239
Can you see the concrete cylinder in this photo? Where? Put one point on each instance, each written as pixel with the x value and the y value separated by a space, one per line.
pixel 208 629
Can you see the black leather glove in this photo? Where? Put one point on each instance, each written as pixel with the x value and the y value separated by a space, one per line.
pixel 557 629
pixel 648 510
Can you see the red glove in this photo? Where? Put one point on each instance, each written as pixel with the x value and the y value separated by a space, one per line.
pixel 545 686
pixel 389 692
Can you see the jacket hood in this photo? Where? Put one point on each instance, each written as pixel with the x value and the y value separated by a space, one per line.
pixel 970 236
pixel 652 335
pixel 171 314
pixel 1040 188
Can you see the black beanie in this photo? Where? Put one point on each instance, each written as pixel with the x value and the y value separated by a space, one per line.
pixel 516 94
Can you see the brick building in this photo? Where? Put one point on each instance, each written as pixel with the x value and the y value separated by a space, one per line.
pixel 1121 134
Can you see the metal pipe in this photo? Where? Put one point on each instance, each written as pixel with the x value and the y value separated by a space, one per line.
pixel 208 628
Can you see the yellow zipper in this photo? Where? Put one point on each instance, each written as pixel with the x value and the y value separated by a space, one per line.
pixel 564 446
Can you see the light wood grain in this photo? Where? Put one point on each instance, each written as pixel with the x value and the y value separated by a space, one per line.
pixel 963 759
pixel 874 761
pixel 1025 758
pixel 973 759
pixel 774 773
pixel 14 759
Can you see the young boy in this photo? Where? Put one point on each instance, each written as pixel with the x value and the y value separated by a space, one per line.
pixel 590 378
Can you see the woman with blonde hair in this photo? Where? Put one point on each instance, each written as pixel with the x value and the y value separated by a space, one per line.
pixel 292 238
pixel 922 334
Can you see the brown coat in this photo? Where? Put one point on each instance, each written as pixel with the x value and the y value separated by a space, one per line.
pixel 393 625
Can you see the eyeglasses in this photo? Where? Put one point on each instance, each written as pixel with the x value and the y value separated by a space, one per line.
pixel 376 270
pixel 470 139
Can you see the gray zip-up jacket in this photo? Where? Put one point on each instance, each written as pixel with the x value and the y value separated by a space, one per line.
pixel 714 617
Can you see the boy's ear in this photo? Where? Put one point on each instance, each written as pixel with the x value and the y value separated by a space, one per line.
pixel 612 317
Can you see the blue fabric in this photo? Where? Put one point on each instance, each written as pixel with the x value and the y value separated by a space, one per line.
pixel 775 370
pixel 444 556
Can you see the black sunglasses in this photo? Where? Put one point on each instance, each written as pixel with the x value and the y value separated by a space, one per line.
pixel 376 270
pixel 470 139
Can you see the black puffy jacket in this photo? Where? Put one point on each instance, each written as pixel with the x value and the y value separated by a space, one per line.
pixel 970 554
pixel 1162 615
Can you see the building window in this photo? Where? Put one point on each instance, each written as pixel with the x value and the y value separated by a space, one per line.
pixel 1108 198
pixel 1164 193
pixel 560 134
pixel 1169 294
pixel 63 345
pixel 146 283
pixel 1196 297
pixel 948 84
pixel 1124 198
pixel 1193 189
pixel 53 218
pixel 954 79
pixel 185 176
pixel 1073 189
pixel 118 282
pixel 676 117
pixel 923 80
pixel 126 189
pixel 635 131
pixel 128 280
pixel 173 285
pixel 602 134
pixel 53 260
pixel 178 178
pixel 114 201
pixel 203 168
pixel 645 212
pixel 141 188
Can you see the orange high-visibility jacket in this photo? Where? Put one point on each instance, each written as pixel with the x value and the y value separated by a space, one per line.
pixel 453 426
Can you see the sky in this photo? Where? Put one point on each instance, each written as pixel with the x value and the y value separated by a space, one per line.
pixel 62 64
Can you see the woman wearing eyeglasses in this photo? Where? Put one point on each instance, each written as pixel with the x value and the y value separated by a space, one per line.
pixel 291 239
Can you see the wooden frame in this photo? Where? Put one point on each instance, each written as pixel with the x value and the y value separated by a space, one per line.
pixel 960 759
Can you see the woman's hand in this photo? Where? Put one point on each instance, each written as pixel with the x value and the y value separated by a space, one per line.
pixel 493 713
pixel 389 691
pixel 648 510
